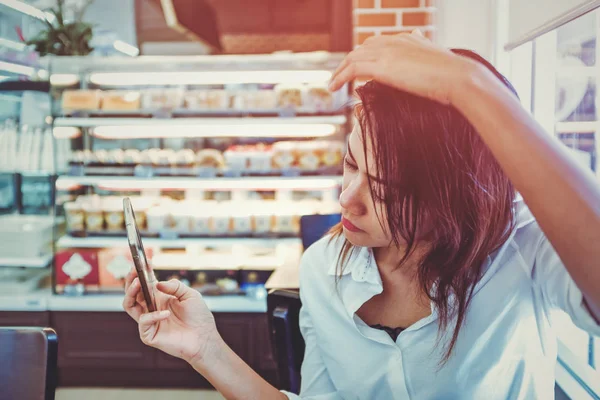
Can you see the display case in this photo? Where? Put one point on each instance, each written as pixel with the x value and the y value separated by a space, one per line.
pixel 557 73
pixel 221 156
pixel 19 20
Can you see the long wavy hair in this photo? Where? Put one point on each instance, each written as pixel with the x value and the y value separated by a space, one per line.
pixel 441 184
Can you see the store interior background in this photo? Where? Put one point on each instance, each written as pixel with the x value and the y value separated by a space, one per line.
pixel 99 347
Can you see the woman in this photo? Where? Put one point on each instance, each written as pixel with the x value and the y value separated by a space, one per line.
pixel 439 281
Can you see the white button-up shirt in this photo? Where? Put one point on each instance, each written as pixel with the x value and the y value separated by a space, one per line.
pixel 506 348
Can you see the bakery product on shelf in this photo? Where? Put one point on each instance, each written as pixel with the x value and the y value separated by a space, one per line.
pixel 210 158
pixel 114 219
pixel 132 156
pixel 308 156
pixel 332 153
pixel 318 98
pixel 121 101
pixel 289 96
pixel 75 216
pixel 260 157
pixel 206 100
pixel 153 99
pixel 185 158
pixel 285 155
pixel 81 100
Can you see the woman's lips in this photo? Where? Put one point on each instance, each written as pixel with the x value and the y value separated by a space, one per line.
pixel 350 226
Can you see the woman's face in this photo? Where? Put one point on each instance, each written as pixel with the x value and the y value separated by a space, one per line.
pixel 361 213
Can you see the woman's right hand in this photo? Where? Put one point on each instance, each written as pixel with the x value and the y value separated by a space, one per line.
pixel 183 326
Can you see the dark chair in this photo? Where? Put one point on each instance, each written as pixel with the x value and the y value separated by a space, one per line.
pixel 313 227
pixel 28 358
pixel 288 345
pixel 284 307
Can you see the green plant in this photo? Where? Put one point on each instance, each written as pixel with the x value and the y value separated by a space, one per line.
pixel 64 38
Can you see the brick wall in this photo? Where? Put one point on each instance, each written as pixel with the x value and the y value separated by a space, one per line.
pixel 388 17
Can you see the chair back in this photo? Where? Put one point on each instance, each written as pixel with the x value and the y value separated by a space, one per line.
pixel 28 363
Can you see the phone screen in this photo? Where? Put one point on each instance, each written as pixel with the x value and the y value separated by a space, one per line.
pixel 143 268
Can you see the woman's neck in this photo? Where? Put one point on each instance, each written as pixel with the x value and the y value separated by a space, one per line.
pixel 388 260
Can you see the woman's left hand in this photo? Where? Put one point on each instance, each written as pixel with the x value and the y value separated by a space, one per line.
pixel 408 62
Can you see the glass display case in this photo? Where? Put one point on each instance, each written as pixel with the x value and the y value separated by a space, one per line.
pixel 558 74
pixel 221 156
pixel 19 20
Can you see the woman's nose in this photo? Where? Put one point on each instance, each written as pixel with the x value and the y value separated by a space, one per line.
pixel 351 199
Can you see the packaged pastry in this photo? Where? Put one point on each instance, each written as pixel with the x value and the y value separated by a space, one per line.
pixel 262 99
pixel 210 158
pixel 164 158
pixel 289 96
pixel 132 156
pixel 182 215
pixel 285 155
pixel 161 99
pixel 185 158
pixel 221 221
pixel 260 157
pixel 101 156
pixel 236 158
pixel 73 100
pixel 201 219
pixel 116 156
pixel 75 216
pixel 332 153
pixel 206 100
pixel 113 215
pixel 318 98
pixel 113 266
pixel 241 222
pixel 309 158
pixel 263 219
pixel 76 267
pixel 157 219
pixel 121 101
pixel 94 217
pixel 287 221
pixel 78 157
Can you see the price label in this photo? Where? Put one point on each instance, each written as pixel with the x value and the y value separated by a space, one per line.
pixel 143 171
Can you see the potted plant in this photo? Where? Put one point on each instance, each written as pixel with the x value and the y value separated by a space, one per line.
pixel 62 36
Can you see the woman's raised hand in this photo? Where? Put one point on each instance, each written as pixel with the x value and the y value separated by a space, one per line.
pixel 408 62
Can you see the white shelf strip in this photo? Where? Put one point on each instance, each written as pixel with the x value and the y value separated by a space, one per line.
pixel 182 183
pixel 577 127
pixel 100 121
pixel 106 242
pixel 29 262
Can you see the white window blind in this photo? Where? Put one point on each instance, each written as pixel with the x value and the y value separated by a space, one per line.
pixel 529 19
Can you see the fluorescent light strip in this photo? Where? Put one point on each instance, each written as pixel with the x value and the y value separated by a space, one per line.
pixel 12 44
pixel 95 122
pixel 25 8
pixel 208 77
pixel 66 132
pixel 16 68
pixel 233 130
pixel 129 183
pixel 63 79
pixel 126 48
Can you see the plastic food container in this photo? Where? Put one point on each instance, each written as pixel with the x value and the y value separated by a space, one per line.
pixel 75 216
pixel 94 217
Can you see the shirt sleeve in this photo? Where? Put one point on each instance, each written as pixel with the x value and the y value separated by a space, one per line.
pixel 315 382
pixel 559 289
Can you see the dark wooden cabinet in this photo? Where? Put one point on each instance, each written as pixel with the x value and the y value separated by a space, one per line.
pixel 100 339
pixel 25 318
pixel 104 349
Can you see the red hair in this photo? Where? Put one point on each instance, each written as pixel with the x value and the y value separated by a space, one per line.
pixel 442 184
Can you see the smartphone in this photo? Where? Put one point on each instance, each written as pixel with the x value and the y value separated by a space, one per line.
pixel 144 270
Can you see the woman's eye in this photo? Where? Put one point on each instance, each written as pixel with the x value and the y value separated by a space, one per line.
pixel 349 165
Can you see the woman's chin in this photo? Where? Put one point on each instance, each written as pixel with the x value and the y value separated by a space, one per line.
pixel 357 238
